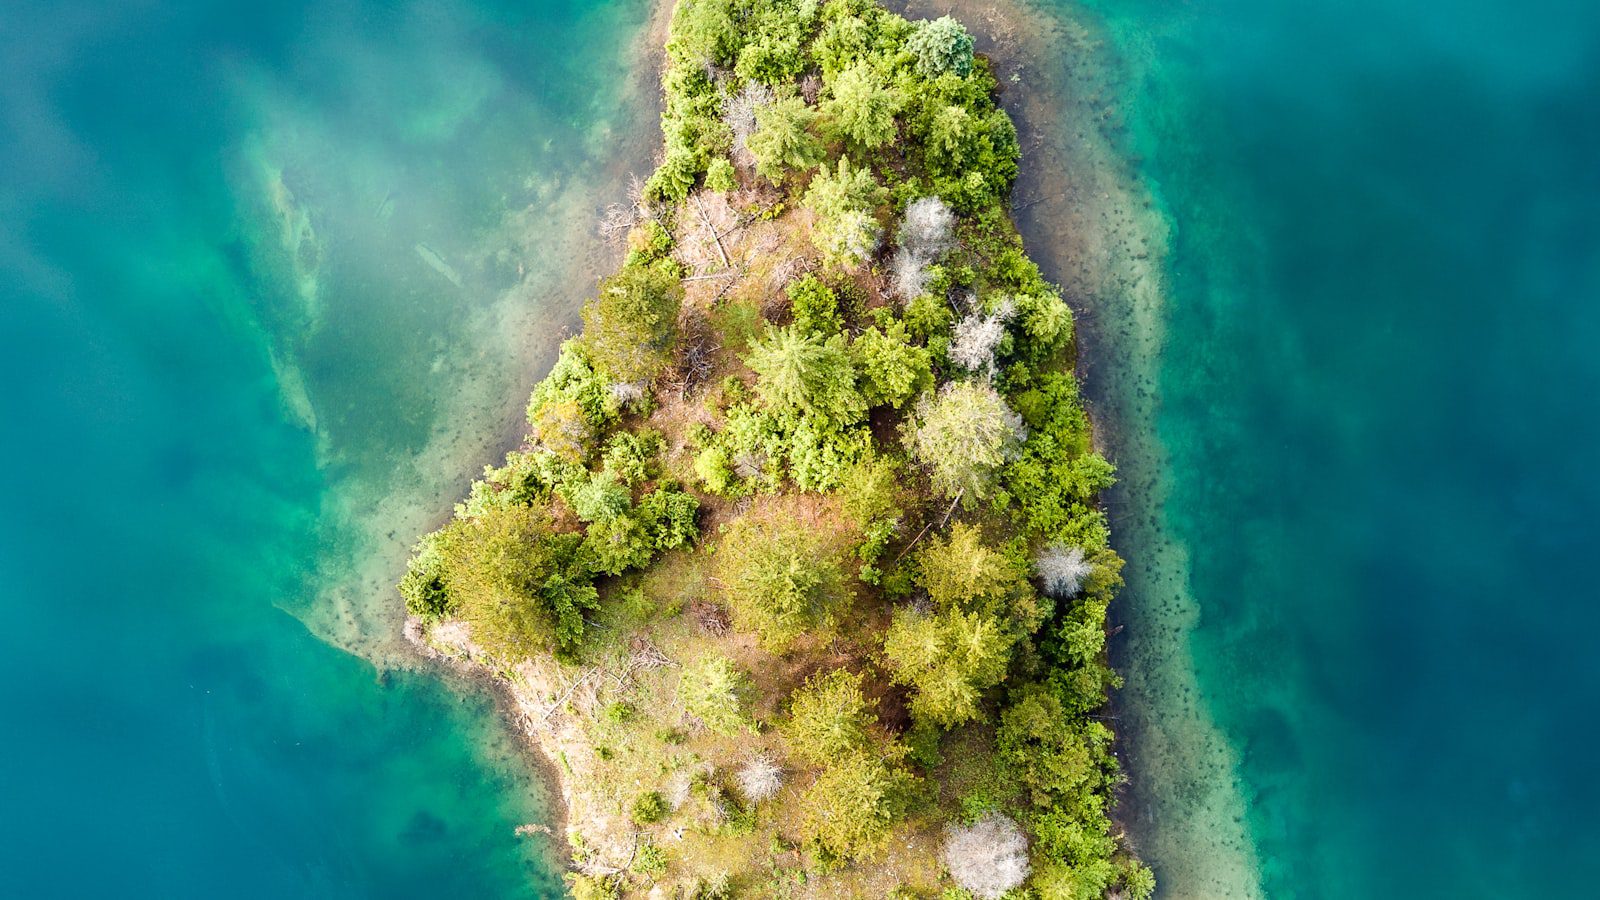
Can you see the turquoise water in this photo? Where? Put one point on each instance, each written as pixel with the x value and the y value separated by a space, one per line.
pixel 1378 403
pixel 273 278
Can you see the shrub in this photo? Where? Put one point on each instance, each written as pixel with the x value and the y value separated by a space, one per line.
pixel 648 808
pixel 829 717
pixel 715 691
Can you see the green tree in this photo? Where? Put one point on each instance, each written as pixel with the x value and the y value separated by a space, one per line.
pixel 814 306
pixel 804 373
pixel 828 717
pixel 849 811
pixel 780 575
pixel 519 584
pixel 962 435
pixel 423 585
pixel 631 326
pixel 783 138
pixel 941 45
pixel 845 202
pixel 717 692
pixel 961 572
pixel 893 370
pixel 703 31
pixel 949 658
pixel 862 108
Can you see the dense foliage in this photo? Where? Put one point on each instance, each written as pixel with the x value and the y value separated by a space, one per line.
pixel 895 617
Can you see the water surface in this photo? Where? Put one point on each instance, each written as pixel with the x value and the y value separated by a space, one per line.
pixel 274 278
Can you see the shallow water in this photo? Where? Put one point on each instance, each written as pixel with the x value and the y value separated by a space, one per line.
pixel 1376 410
pixel 274 279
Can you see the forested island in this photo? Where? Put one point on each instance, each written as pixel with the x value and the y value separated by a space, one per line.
pixel 800 578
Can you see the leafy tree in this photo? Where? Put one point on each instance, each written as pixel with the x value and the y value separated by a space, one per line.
pixel 949 658
pixel 423 585
pixel 717 692
pixel 704 31
pixel 518 584
pixel 1056 475
pixel 963 434
pixel 630 456
pixel 961 572
pixel 803 373
pixel 893 369
pixel 783 139
pixel 573 380
pixel 814 306
pixel 845 200
pixel 596 498
pixel 1058 758
pixel 631 326
pixel 941 45
pixel 862 108
pixel 594 887
pixel 849 811
pixel 829 717
pixel 780 575
pixel 668 514
pixel 617 544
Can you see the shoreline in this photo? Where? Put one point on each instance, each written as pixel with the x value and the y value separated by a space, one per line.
pixel 1096 229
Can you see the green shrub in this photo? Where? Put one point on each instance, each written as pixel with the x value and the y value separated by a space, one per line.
pixel 814 306
pixel 649 808
pixel 715 691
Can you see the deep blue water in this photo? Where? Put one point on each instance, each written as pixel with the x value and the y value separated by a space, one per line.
pixel 220 338
pixel 1381 402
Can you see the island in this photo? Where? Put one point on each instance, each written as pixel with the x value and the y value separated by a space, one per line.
pixel 799 581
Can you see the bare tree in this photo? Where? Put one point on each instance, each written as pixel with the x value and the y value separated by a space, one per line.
pixel 1062 569
pixel 739 114
pixel 988 857
pixel 977 336
pixel 926 233
pixel 760 777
